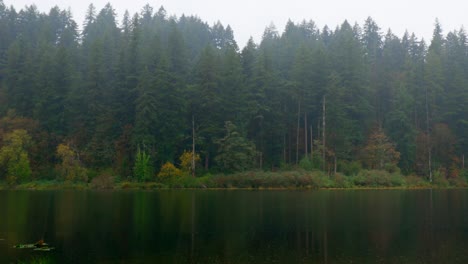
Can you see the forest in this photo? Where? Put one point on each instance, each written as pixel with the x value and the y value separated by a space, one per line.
pixel 155 96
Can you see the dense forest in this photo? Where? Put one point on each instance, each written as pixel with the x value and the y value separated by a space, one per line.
pixel 136 97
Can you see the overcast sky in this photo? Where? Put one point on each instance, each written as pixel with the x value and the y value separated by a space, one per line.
pixel 250 17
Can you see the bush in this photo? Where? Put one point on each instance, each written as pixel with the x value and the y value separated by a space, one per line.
pixel 168 170
pixel 349 168
pixel 258 179
pixel 191 182
pixel 376 178
pixel 306 164
pixel 341 181
pixel 464 174
pixel 103 181
pixel 458 182
pixel 11 180
pixel 416 181
pixel 142 169
pixel 439 179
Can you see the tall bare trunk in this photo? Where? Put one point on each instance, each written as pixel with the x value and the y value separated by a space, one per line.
pixel 305 135
pixel 297 130
pixel 311 143
pixel 207 161
pixel 428 139
pixel 323 131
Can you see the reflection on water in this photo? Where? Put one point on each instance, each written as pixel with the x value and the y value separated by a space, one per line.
pixel 393 226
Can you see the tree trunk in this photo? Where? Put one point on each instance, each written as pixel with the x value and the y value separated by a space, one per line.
pixel 305 135
pixel 428 139
pixel 297 130
pixel 311 143
pixel 323 131
pixel 207 161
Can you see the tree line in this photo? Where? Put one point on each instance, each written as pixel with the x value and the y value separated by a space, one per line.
pixel 156 87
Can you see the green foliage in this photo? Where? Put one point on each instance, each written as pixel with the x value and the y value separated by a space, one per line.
pixel 14 157
pixel 306 164
pixel 342 181
pixel 259 179
pixel 350 168
pixel 141 81
pixel 236 153
pixel 464 174
pixel 191 182
pixel 416 182
pixel 378 178
pixel 142 169
pixel 439 179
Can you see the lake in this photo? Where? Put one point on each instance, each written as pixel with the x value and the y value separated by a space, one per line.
pixel 188 226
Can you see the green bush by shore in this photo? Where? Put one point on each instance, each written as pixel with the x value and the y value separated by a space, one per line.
pixel 293 179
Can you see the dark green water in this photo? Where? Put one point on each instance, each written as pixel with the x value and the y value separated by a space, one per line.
pixel 394 226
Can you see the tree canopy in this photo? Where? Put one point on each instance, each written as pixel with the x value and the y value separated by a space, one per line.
pixel 112 87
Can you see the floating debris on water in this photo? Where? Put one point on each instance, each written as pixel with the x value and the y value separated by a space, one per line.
pixel 39 246
pixel 21 246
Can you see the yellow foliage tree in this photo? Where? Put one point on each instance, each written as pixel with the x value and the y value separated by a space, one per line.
pixel 168 170
pixel 186 161
pixel 14 157
pixel 70 169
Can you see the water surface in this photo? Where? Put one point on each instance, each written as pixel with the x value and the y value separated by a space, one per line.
pixel 361 226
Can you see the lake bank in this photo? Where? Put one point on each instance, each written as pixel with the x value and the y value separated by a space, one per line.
pixel 255 180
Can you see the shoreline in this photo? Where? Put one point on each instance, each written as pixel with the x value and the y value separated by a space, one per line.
pixel 152 186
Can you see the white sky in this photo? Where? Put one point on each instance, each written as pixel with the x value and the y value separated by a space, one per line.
pixel 250 17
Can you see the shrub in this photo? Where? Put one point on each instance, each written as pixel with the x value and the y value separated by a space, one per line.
pixel 103 181
pixel 416 181
pixel 464 174
pixel 375 178
pixel 306 164
pixel 341 181
pixel 11 180
pixel 168 170
pixel 439 179
pixel 142 169
pixel 458 182
pixel 320 180
pixel 350 168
